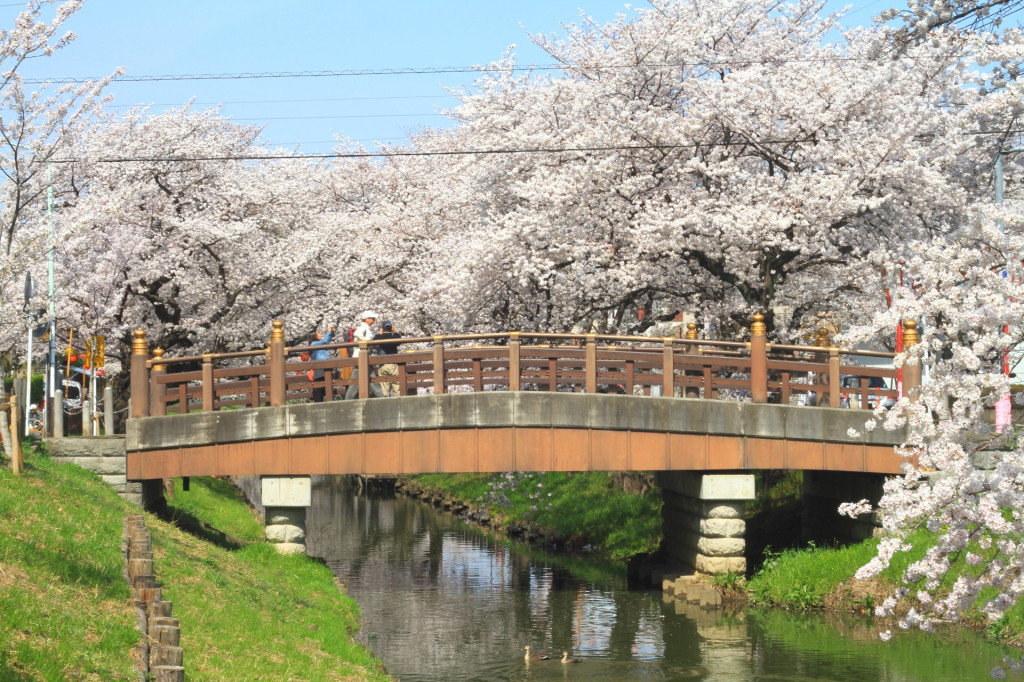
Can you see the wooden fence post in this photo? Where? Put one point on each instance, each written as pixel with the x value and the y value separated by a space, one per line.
pixel 278 387
pixel 911 373
pixel 208 392
pixel 590 364
pixel 758 360
pixel 439 386
pixel 668 377
pixel 513 361
pixel 140 375
pixel 156 389
pixel 693 335
pixel 834 379
pixel 15 441
pixel 363 369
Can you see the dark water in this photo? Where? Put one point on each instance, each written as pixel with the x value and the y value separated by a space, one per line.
pixel 442 601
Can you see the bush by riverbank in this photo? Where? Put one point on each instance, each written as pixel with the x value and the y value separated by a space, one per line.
pixel 567 510
pixel 246 612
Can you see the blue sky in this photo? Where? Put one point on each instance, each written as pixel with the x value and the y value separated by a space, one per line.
pixel 239 36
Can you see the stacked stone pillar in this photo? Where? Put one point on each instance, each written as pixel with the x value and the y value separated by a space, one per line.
pixel 285 499
pixel 703 519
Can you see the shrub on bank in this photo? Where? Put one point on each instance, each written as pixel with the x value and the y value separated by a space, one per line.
pixel 585 507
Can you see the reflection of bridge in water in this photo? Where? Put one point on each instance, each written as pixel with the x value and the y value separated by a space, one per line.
pixel 524 402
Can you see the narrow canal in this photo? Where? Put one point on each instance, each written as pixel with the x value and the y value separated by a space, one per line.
pixel 441 600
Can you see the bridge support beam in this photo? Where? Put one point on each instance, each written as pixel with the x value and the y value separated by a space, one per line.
pixel 285 499
pixel 703 519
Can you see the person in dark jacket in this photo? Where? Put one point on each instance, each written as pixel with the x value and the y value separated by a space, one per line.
pixel 389 370
pixel 318 339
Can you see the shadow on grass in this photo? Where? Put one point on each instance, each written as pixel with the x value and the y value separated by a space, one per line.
pixel 199 528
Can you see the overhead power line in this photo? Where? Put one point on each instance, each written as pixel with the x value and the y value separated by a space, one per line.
pixel 461 152
pixel 491 68
pixel 278 101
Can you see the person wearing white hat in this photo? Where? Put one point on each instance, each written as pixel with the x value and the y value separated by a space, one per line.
pixel 364 332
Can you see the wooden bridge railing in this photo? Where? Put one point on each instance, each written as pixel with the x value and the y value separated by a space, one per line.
pixel 590 363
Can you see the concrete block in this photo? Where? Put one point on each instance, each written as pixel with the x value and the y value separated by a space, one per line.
pixel 570 410
pixel 723 528
pixel 727 487
pixel 720 510
pixel 418 412
pixel 685 415
pixel 295 516
pixel 236 426
pixel 609 411
pixel 132 498
pixel 764 420
pixel 289 548
pixel 649 414
pixel 807 424
pixel 496 408
pixel 533 408
pixel 160 432
pixel 286 491
pixel 90 446
pixel 718 565
pixel 345 416
pixel 283 532
pixel 97 465
pixel 380 415
pixel 270 422
pixel 116 481
pixel 309 419
pixel 723 418
pixel 456 410
pixel 715 547
pixel 198 428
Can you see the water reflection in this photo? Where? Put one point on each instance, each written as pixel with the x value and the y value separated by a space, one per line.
pixel 442 601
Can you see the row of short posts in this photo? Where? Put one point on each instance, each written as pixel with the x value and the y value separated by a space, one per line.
pixel 161 653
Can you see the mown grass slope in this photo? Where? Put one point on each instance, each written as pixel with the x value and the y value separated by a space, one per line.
pixel 246 612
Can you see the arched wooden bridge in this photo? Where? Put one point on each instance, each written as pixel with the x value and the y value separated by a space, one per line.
pixel 510 401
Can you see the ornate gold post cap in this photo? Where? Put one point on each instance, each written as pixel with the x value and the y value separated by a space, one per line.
pixel 911 337
pixel 158 355
pixel 821 338
pixel 758 328
pixel 277 331
pixel 691 330
pixel 139 344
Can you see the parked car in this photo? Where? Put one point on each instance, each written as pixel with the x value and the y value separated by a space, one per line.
pixel 852 381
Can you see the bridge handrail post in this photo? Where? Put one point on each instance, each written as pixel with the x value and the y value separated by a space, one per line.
pixel 693 335
pixel 590 364
pixel 513 361
pixel 363 368
pixel 668 368
pixel 758 360
pixel 439 386
pixel 911 373
pixel 156 389
pixel 834 378
pixel 275 361
pixel 140 375
pixel 208 394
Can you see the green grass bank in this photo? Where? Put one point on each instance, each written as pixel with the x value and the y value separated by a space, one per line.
pixel 246 612
pixel 572 509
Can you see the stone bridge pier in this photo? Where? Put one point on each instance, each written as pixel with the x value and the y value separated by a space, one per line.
pixel 704 528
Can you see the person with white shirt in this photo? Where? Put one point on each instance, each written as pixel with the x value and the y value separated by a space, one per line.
pixel 364 332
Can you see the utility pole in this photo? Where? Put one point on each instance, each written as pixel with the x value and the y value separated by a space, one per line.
pixel 51 369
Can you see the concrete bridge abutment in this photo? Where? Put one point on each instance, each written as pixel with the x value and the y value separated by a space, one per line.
pixel 703 522
pixel 285 500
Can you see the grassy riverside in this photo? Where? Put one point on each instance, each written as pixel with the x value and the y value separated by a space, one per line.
pixel 580 508
pixel 823 578
pixel 246 612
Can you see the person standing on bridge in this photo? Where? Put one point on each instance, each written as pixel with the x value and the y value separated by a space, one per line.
pixel 364 332
pixel 317 338
pixel 390 369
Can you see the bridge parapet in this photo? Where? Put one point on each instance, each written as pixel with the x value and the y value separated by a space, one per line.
pixel 584 363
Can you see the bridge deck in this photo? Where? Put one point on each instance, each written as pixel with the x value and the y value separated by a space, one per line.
pixel 506 431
